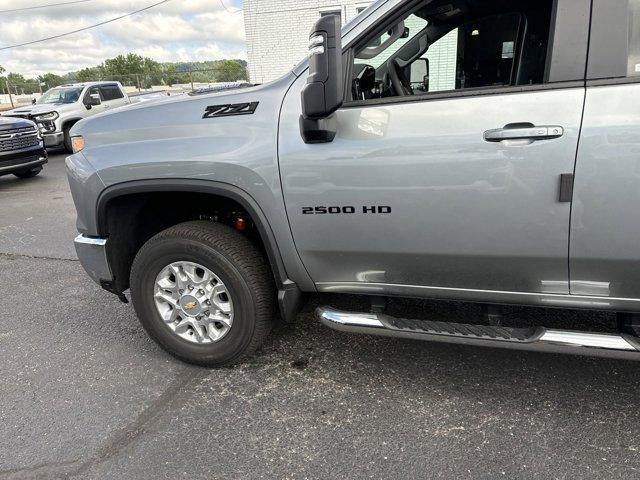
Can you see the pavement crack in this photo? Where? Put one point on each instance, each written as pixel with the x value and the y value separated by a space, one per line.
pixel 13 256
pixel 120 439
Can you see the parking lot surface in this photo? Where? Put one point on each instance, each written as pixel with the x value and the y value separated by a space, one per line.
pixel 85 394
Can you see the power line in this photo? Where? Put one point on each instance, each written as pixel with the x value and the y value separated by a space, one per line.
pixel 227 8
pixel 85 28
pixel 23 9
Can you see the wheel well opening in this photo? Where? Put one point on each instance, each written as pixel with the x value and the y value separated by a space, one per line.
pixel 131 220
pixel 69 123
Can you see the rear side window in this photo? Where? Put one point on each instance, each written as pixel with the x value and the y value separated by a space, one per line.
pixel 110 92
pixel 633 66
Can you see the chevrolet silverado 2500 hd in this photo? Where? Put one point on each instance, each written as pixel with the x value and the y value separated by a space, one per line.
pixel 482 151
pixel 61 107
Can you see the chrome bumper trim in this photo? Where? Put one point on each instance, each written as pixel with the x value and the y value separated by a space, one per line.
pixel 587 340
pixel 53 139
pixel 546 340
pixel 92 253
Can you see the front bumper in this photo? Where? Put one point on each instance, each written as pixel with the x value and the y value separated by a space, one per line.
pixel 53 139
pixel 19 164
pixel 92 253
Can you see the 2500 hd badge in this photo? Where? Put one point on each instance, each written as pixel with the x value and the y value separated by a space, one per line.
pixel 374 209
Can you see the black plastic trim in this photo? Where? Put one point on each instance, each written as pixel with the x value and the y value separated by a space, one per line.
pixel 566 188
pixel 289 295
pixel 199 186
pixel 609 43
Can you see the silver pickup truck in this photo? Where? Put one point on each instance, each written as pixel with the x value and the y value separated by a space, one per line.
pixel 486 152
pixel 60 108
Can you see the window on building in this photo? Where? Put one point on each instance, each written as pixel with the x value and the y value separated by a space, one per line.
pixel 110 92
pixel 337 11
pixel 634 39
pixel 438 47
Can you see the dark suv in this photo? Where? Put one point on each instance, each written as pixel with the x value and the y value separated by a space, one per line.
pixel 21 149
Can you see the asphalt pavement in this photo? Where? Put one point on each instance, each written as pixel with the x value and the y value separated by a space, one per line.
pixel 85 394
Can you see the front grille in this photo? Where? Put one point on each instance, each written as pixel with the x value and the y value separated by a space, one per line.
pixel 18 139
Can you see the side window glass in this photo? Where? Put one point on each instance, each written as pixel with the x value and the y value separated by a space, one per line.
pixel 92 91
pixel 475 55
pixel 439 48
pixel 110 92
pixel 633 66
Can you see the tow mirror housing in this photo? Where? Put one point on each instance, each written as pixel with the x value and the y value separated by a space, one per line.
pixel 324 92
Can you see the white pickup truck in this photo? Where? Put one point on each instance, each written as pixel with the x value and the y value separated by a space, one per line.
pixel 61 107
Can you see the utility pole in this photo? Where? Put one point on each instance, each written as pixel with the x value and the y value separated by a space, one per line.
pixel 138 81
pixel 191 78
pixel 9 90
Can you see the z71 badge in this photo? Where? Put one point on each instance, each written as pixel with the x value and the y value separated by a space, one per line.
pixel 229 110
pixel 366 210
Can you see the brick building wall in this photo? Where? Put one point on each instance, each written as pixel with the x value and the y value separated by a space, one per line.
pixel 277 33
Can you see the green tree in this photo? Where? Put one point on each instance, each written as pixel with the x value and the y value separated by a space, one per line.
pixel 20 85
pixel 171 75
pixel 88 74
pixel 50 80
pixel 230 71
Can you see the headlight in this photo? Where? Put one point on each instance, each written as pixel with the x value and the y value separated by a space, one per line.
pixel 46 116
pixel 77 144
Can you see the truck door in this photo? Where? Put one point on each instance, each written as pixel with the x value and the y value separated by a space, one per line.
pixel 605 221
pixel 445 172
pixel 112 96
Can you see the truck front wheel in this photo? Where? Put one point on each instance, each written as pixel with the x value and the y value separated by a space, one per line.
pixel 204 293
pixel 67 139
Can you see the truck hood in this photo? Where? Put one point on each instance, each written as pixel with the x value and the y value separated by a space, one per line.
pixel 44 108
pixel 10 123
pixel 181 119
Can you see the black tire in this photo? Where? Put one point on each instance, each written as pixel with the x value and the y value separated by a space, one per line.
pixel 237 262
pixel 67 139
pixel 28 173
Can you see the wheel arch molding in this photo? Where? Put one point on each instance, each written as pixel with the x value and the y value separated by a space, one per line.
pixel 289 292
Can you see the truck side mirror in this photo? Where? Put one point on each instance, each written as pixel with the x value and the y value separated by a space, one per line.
pixel 92 100
pixel 420 74
pixel 324 92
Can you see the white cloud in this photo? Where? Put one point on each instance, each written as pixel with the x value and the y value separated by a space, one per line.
pixel 181 30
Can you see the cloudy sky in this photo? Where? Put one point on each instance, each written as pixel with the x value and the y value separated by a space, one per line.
pixel 180 30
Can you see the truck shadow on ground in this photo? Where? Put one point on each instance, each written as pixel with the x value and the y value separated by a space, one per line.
pixel 426 369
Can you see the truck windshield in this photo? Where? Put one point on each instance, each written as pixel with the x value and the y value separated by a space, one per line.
pixel 60 95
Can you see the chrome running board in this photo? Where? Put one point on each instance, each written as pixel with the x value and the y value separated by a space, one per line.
pixel 535 339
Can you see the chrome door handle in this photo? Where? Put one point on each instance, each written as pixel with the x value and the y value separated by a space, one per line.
pixel 528 132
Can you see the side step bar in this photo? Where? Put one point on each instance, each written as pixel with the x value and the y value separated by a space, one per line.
pixel 539 339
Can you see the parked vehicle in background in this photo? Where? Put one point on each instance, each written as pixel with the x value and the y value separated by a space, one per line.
pixel 61 107
pixel 22 150
pixel 510 176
